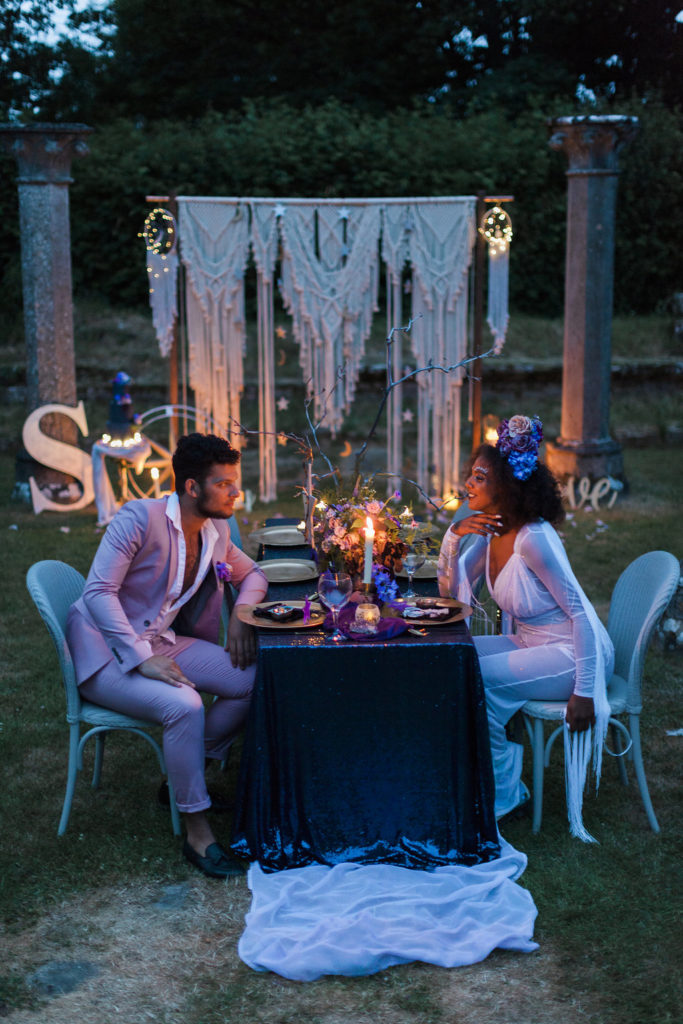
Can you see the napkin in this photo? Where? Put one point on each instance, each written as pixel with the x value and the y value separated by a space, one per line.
pixel 386 628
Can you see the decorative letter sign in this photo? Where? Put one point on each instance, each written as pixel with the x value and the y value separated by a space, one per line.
pixel 66 458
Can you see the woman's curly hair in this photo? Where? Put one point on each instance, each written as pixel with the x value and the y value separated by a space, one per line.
pixel 521 501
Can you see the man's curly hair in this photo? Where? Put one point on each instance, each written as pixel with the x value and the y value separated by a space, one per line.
pixel 521 501
pixel 196 454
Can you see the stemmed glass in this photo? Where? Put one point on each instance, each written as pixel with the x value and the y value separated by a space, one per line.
pixel 334 590
pixel 412 561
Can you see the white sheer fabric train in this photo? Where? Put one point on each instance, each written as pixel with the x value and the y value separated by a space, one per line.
pixel 356 919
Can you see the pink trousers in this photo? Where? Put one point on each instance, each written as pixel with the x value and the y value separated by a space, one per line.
pixel 190 734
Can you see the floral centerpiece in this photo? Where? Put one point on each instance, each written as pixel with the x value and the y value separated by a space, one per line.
pixel 339 531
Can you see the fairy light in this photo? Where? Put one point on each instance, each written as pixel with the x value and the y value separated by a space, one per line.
pixel 451 501
pixel 496 227
pixel 159 233
pixel 490 425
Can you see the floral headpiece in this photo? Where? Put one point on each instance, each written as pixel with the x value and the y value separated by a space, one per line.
pixel 518 441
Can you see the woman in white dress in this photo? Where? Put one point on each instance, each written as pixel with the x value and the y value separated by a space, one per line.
pixel 559 650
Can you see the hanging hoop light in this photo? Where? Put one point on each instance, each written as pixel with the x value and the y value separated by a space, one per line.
pixel 159 232
pixel 496 227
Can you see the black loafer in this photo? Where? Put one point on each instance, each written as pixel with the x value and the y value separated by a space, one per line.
pixel 219 804
pixel 216 862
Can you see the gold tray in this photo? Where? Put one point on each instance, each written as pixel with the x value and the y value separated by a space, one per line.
pixel 278 536
pixel 288 570
pixel 245 614
pixel 460 612
pixel 425 572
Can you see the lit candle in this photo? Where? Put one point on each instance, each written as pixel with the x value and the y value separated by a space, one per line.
pixel 367 618
pixel 369 540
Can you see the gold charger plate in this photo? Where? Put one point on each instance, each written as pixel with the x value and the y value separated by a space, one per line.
pixel 288 570
pixel 246 614
pixel 460 611
pixel 425 572
pixel 278 536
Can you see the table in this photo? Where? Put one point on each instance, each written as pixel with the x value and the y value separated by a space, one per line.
pixel 366 752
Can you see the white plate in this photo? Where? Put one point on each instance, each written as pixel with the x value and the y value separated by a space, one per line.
pixel 425 572
pixel 288 570
pixel 279 536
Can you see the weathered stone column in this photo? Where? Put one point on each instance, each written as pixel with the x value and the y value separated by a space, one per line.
pixel 44 153
pixel 592 145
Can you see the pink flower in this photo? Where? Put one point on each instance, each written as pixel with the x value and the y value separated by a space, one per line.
pixel 519 425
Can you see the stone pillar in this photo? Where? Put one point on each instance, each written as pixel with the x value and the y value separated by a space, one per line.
pixel 44 153
pixel 592 145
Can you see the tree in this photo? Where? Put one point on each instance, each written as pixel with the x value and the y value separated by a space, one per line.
pixel 28 60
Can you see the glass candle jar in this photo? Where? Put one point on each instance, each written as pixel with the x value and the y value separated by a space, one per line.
pixel 367 617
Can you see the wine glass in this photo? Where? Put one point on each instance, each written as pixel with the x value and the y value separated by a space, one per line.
pixel 334 590
pixel 412 561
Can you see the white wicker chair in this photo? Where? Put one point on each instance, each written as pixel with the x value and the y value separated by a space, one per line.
pixel 54 586
pixel 640 596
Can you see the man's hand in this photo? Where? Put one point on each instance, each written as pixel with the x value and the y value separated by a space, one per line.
pixel 580 713
pixel 165 669
pixel 242 642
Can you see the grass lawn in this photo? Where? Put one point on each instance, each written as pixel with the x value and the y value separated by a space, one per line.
pixel 607 913
pixel 103 893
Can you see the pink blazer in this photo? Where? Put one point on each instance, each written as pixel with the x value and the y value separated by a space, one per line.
pixel 130 576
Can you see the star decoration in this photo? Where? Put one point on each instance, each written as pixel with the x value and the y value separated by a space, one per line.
pixel 280 332
pixel 407 415
pixel 279 210
pixel 343 213
pixel 282 403
pixel 282 439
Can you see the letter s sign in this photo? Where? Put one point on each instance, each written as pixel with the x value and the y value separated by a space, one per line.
pixel 58 455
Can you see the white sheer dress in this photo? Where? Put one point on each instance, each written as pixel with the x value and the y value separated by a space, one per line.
pixel 558 647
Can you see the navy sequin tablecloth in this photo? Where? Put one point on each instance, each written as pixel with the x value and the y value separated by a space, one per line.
pixel 370 752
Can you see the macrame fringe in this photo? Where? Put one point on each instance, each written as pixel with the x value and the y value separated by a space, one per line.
pixel 329 284
pixel 497 307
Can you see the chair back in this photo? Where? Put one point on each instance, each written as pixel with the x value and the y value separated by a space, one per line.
pixel 54 586
pixel 235 535
pixel 641 594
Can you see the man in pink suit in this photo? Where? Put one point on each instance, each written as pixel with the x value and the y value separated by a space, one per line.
pixel 144 633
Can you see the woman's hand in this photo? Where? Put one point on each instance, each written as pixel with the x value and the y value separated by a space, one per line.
pixel 242 642
pixel 580 713
pixel 486 524
pixel 165 669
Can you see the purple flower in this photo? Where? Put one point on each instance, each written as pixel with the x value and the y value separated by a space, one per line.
pixel 224 571
pixel 387 589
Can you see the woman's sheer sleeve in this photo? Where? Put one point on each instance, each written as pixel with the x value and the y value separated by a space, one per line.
pixel 462 561
pixel 555 574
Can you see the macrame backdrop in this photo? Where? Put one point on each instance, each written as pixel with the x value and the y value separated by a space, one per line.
pixel 162 275
pixel 329 253
pixel 330 278
pixel 214 248
pixel 497 308
pixel 264 243
pixel 440 242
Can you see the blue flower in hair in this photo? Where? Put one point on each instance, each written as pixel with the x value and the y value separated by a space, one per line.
pixel 519 439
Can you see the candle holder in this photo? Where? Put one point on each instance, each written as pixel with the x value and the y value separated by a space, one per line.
pixel 366 619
